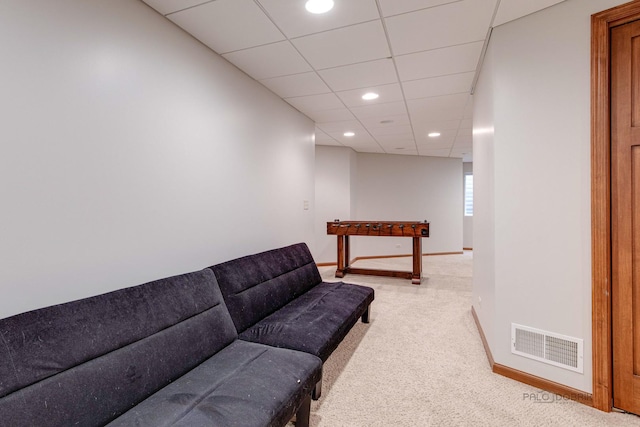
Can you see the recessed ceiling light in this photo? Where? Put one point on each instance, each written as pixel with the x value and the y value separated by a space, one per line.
pixel 349 134
pixel 434 134
pixel 400 148
pixel 384 122
pixel 319 6
pixel 369 96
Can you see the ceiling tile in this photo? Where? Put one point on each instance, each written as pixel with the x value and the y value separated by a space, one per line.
pixel 439 62
pixel 340 126
pixel 452 24
pixel 447 136
pixel 375 122
pixel 272 60
pixel 468 110
pixel 395 143
pixel 418 115
pixel 438 126
pixel 392 130
pixel 210 24
pixel 436 103
pixel 395 7
pixel 395 139
pixel 326 101
pixel 454 83
pixel 513 9
pixel 337 115
pixel 388 93
pixel 377 110
pixel 466 124
pixel 350 45
pixel 294 20
pixel 297 85
pixel 362 75
pixel 169 6
pixel 440 152
pixel 361 136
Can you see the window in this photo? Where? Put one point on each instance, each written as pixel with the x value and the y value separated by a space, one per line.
pixel 468 195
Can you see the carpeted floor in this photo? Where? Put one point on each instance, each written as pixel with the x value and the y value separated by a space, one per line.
pixel 420 362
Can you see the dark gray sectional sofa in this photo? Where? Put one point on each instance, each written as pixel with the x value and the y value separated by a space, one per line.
pixel 168 353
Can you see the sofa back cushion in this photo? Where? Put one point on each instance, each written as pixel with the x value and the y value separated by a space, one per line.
pixel 87 361
pixel 257 285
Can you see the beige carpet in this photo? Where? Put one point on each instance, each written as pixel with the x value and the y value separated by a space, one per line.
pixel 420 362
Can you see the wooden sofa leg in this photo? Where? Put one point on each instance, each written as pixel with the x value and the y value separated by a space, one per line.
pixel 317 391
pixel 304 412
pixel 365 315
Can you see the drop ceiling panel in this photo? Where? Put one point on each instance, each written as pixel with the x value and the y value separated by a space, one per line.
pixel 386 121
pixel 387 93
pixel 326 101
pixel 466 123
pixel 446 136
pixel 338 115
pixel 395 7
pixel 396 143
pixel 395 139
pixel 434 104
pixel 362 75
pixel 435 116
pixel 344 46
pixel 341 126
pixel 361 137
pixel 513 9
pixel 322 64
pixel 435 86
pixel 444 152
pixel 295 21
pixel 451 24
pixel 267 61
pixel 429 127
pixel 378 110
pixel 168 6
pixel 392 130
pixel 439 62
pixel 296 85
pixel 210 24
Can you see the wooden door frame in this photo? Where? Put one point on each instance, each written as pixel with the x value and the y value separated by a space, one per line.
pixel 601 23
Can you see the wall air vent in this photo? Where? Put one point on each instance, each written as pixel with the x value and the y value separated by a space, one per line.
pixel 548 347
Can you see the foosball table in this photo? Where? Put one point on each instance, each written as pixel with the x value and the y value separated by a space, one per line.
pixel 343 229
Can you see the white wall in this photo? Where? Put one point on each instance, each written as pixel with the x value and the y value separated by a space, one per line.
pixel 131 152
pixel 483 295
pixel 467 221
pixel 387 187
pixel 335 191
pixel 538 90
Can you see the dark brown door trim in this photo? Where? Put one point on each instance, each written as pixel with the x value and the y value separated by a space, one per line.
pixel 601 23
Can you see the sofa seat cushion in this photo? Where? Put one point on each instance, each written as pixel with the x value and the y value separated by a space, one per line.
pixel 316 322
pixel 245 384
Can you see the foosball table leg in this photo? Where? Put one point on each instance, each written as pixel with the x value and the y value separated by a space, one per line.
pixel 416 276
pixel 341 263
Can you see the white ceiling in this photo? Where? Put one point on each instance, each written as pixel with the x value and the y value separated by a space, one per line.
pixel 420 56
